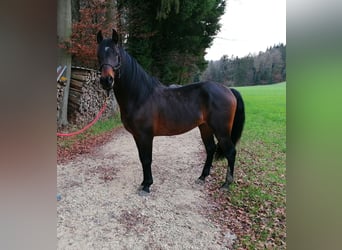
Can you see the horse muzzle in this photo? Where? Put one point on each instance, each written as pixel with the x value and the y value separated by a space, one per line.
pixel 107 82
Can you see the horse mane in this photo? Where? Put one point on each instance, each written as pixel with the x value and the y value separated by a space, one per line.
pixel 135 79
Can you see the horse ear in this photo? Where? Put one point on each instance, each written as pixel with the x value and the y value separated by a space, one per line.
pixel 115 36
pixel 99 37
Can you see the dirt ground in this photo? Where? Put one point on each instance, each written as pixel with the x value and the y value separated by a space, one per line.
pixel 99 206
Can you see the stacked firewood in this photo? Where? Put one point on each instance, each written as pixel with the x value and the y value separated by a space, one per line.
pixel 86 97
pixel 60 94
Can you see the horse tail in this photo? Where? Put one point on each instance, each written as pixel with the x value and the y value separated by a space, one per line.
pixel 239 119
pixel 238 124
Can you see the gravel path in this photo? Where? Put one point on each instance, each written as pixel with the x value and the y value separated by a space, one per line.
pixel 100 207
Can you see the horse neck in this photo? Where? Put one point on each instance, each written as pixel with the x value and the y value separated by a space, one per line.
pixel 135 84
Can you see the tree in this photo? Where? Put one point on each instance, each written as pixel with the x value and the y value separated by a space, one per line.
pixel 94 15
pixel 183 37
pixel 64 57
pixel 169 37
pixel 141 16
pixel 264 68
pixel 244 70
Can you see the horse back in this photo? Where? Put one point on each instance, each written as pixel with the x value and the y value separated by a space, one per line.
pixel 178 110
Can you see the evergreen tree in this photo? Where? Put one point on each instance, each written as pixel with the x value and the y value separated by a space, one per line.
pixel 169 37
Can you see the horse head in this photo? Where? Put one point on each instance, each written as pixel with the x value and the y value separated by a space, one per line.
pixel 109 59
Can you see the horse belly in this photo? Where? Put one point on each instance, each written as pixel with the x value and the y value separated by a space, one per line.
pixel 174 123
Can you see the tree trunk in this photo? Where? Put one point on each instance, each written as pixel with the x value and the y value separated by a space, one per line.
pixel 64 57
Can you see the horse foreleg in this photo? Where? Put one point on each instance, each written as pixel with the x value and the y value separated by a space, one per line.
pixel 144 145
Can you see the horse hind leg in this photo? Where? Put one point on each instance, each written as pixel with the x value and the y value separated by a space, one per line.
pixel 229 152
pixel 210 147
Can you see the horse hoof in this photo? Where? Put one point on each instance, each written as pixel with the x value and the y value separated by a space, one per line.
pixel 230 180
pixel 143 193
pixel 143 190
pixel 200 181
pixel 225 187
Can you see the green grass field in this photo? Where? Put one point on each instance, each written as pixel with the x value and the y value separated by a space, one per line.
pixel 257 199
pixel 265 114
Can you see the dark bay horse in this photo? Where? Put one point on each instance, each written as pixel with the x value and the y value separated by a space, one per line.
pixel 150 109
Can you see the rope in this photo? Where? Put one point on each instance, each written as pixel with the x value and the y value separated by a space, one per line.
pixel 89 125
